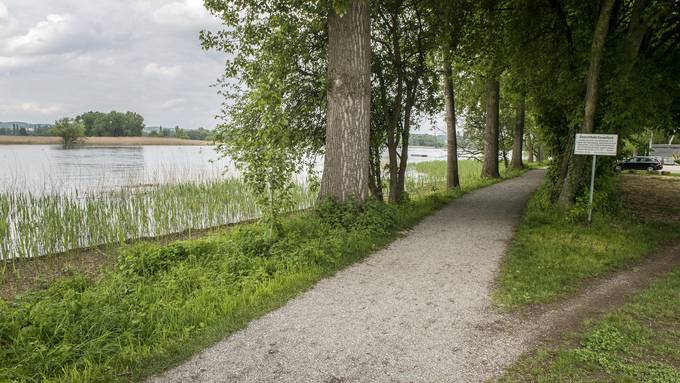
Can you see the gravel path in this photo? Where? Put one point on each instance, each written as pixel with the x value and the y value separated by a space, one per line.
pixel 417 311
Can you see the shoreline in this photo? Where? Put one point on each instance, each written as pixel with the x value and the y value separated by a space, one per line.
pixel 102 141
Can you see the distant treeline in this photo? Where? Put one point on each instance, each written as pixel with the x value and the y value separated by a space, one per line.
pixel 112 124
pixel 24 129
pixel 427 140
pixel 197 134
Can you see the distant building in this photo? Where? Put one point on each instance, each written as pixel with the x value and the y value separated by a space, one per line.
pixel 665 151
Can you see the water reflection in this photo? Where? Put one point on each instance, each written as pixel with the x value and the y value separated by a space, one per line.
pixel 47 168
pixel 98 167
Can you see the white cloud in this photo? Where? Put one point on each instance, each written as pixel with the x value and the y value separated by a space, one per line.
pixel 104 55
pixel 172 103
pixel 91 59
pixel 155 70
pixel 13 62
pixel 34 107
pixel 45 37
pixel 4 13
pixel 187 13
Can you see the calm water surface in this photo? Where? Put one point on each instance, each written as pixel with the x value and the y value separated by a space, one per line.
pixel 49 168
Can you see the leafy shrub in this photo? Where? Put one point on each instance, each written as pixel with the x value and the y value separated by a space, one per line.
pixel 373 216
pixel 145 260
pixel 254 240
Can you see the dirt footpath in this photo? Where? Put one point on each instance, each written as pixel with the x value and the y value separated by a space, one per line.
pixel 417 311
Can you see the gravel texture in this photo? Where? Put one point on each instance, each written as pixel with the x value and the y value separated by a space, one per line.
pixel 416 311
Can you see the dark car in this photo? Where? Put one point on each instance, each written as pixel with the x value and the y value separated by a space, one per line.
pixel 640 163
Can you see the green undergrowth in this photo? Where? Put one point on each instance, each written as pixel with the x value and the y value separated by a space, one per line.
pixel 554 251
pixel 638 343
pixel 162 304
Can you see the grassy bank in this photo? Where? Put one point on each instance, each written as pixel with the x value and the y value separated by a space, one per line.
pixel 553 252
pixel 638 343
pixel 429 176
pixel 161 304
pixel 101 141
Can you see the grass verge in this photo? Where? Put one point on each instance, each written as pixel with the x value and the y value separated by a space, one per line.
pixel 638 343
pixel 552 254
pixel 160 304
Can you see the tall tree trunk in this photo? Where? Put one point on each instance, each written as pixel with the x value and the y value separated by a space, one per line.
pixel 490 167
pixel 393 133
pixel 637 28
pixel 517 144
pixel 346 163
pixel 575 173
pixel 375 171
pixel 452 178
pixel 541 153
pixel 411 91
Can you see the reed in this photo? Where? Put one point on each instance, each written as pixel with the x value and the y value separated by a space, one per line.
pixel 36 225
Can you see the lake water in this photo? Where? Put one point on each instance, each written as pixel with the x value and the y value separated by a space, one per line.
pixel 49 168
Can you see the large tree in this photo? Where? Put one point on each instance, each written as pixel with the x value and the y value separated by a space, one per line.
pixel 272 124
pixel 450 18
pixel 404 84
pixel 575 172
pixel 491 131
pixel 518 137
pixel 452 176
pixel 346 162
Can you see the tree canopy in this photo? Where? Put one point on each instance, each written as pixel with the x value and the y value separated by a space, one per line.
pixel 112 124
pixel 553 68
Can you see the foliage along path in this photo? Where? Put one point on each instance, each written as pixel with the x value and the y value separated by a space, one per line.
pixel 418 310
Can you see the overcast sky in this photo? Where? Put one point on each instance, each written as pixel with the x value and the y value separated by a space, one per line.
pixel 60 58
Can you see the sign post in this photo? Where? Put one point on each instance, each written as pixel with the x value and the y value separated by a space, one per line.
pixel 595 145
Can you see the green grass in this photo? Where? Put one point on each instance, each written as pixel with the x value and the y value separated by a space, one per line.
pixel 161 304
pixel 638 343
pixel 431 175
pixel 551 254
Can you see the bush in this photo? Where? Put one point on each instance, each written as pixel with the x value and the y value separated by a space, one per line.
pixel 69 130
pixel 373 216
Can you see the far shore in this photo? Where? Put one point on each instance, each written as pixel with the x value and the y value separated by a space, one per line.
pixel 103 141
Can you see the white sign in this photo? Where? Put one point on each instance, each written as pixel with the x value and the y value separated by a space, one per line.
pixel 596 144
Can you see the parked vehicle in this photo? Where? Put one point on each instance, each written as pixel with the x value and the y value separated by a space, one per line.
pixel 640 163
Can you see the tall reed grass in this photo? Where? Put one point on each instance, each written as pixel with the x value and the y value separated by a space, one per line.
pixel 37 225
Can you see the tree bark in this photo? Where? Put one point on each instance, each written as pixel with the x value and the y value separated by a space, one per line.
pixel 452 177
pixel 530 148
pixel 518 144
pixel 375 172
pixel 637 28
pixel 393 134
pixel 346 162
pixel 575 174
pixel 490 167
pixel 411 91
